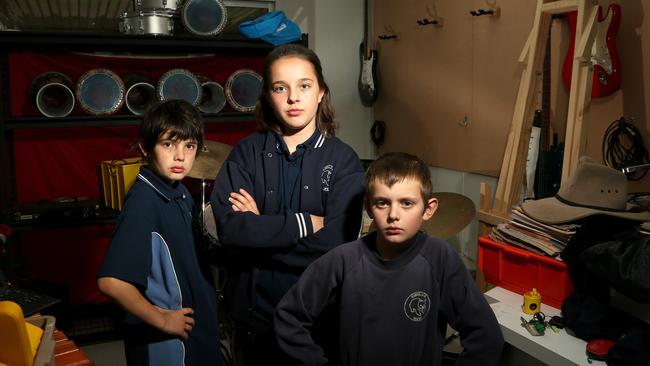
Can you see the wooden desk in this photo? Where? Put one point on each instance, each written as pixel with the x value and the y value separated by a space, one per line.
pixel 67 353
pixel 552 348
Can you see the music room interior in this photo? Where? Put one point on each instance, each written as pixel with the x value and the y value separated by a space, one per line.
pixel 504 100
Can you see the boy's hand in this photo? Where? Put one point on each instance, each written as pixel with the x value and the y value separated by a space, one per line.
pixel 177 322
pixel 317 222
pixel 243 202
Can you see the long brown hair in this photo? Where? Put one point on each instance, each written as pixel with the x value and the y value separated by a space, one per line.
pixel 264 113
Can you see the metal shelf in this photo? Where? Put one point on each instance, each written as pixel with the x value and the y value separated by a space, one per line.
pixel 111 120
pixel 118 42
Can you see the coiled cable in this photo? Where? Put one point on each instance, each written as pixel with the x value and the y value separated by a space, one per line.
pixel 623 147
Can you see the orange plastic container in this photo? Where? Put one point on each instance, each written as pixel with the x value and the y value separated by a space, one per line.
pixel 519 270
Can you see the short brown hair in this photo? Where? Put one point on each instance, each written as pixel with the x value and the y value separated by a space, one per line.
pixel 394 167
pixel 264 114
pixel 179 117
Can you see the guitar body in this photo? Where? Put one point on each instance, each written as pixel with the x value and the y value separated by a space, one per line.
pixel 368 76
pixel 604 57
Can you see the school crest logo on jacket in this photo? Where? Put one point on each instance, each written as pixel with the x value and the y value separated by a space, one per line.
pixel 326 176
pixel 416 306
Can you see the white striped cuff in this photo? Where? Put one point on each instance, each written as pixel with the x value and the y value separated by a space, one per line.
pixel 302 226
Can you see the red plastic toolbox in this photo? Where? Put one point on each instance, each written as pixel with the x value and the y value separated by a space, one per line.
pixel 519 270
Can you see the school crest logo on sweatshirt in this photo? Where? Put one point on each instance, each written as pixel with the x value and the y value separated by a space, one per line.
pixel 326 176
pixel 416 306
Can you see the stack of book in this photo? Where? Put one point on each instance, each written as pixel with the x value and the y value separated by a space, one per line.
pixel 525 232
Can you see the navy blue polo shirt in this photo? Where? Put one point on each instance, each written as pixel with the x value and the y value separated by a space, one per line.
pixel 290 173
pixel 153 249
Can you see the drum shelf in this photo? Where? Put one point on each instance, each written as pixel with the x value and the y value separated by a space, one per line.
pixel 118 42
pixel 110 120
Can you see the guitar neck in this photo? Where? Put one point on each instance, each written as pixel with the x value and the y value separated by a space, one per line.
pixel 545 140
pixel 367 32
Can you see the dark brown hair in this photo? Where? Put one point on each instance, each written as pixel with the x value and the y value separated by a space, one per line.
pixel 264 113
pixel 395 167
pixel 179 117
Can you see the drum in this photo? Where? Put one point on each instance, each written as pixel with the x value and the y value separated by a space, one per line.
pixel 154 21
pixel 213 96
pixel 52 94
pixel 140 93
pixel 100 92
pixel 179 84
pixel 158 4
pixel 243 89
pixel 204 17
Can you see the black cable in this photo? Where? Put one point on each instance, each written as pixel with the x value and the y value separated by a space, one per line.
pixel 623 147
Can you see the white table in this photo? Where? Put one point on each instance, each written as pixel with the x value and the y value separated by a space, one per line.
pixel 551 348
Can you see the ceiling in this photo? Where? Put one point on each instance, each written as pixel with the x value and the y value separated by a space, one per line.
pixel 99 15
pixel 96 15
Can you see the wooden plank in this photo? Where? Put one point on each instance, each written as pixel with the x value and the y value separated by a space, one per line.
pixel 514 162
pixel 579 96
pixel 583 48
pixel 559 7
pixel 508 164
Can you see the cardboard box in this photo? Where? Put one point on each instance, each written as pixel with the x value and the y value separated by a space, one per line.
pixel 117 178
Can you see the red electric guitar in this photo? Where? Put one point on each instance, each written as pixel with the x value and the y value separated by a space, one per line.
pixel 607 65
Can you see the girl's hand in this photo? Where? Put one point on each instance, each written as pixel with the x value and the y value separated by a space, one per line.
pixel 243 202
pixel 177 322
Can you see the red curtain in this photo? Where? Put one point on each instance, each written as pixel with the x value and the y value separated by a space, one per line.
pixel 52 163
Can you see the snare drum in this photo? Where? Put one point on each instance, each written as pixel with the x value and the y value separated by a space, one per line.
pixel 52 94
pixel 154 21
pixel 100 91
pixel 179 84
pixel 243 89
pixel 204 17
pixel 158 4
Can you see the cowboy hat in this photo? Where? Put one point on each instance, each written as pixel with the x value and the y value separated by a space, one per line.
pixel 593 189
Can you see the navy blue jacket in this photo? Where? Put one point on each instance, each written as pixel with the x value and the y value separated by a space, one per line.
pixel 276 247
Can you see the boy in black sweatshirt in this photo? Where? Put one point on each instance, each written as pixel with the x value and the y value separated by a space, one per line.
pixel 395 289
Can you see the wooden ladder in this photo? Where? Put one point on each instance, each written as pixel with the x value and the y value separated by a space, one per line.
pixel 514 159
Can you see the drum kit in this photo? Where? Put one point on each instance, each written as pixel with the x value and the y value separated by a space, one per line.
pixel 203 18
pixel 102 92
pixel 206 166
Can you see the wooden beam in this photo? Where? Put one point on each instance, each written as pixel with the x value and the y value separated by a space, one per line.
pixel 513 166
pixel 579 96
pixel 583 49
pixel 559 7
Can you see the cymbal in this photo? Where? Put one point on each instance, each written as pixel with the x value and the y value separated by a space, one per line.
pixel 454 212
pixel 209 161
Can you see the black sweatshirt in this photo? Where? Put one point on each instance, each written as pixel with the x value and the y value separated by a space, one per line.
pixel 391 312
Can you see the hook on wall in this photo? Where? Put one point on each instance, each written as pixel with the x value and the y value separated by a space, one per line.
pixel 426 21
pixel 492 11
pixel 384 37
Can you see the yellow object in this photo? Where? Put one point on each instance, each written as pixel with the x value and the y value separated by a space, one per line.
pixel 117 178
pixel 19 341
pixel 532 302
